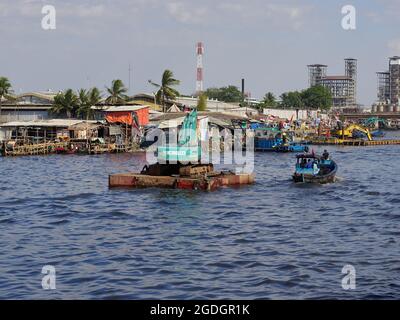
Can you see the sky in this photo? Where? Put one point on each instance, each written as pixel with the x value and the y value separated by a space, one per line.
pixel 267 42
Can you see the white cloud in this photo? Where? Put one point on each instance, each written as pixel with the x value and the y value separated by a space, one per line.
pixel 187 14
pixel 287 14
pixel 233 7
pixel 278 13
pixel 85 11
pixel 390 6
pixel 32 8
pixel 373 16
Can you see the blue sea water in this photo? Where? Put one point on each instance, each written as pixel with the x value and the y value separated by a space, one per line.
pixel 271 240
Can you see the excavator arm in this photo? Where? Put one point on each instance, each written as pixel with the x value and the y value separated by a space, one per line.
pixel 188 132
pixel 361 129
pixel 348 131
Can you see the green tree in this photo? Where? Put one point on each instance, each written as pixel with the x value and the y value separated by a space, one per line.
pixel 88 99
pixel 95 96
pixel 5 89
pixel 292 100
pixel 202 102
pixel 317 97
pixel 269 100
pixel 83 102
pixel 117 92
pixel 165 90
pixel 66 103
pixel 230 94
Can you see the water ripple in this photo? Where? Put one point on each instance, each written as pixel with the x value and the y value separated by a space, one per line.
pixel 273 240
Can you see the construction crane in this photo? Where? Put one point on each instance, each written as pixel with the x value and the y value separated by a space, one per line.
pixel 347 132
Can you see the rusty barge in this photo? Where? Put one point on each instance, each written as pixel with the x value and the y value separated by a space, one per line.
pixel 210 182
pixel 180 167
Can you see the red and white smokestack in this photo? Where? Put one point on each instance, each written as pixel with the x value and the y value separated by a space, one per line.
pixel 200 74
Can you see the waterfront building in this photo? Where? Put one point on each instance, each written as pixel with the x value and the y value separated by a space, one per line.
pixel 383 87
pixel 27 106
pixel 394 70
pixel 343 87
pixel 316 72
pixel 388 86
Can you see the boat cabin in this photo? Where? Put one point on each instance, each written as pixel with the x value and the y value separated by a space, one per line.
pixel 311 164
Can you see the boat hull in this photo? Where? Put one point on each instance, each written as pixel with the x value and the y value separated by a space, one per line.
pixel 300 178
pixel 276 145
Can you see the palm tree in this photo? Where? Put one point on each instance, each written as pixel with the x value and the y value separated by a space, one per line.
pixel 94 99
pixel 165 90
pixel 94 96
pixel 83 101
pixel 269 100
pixel 88 99
pixel 5 89
pixel 117 92
pixel 66 103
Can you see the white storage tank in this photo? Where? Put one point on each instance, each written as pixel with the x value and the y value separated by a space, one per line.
pixel 390 108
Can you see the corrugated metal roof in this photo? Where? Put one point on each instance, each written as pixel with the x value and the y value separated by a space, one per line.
pixel 219 115
pixel 45 123
pixel 86 125
pixel 120 108
pixel 173 123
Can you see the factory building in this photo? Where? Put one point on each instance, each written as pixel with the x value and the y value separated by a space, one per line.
pixel 342 87
pixel 394 70
pixel 388 88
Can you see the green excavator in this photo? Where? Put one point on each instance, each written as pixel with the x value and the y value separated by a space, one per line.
pixel 183 158
pixel 375 122
pixel 188 149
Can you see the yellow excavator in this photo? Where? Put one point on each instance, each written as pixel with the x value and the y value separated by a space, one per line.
pixel 348 131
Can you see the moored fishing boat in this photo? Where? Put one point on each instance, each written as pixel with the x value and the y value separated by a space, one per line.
pixel 291 147
pixel 378 134
pixel 311 168
pixel 272 139
pixel 375 134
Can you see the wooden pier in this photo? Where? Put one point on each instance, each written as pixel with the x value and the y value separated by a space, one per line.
pixel 34 149
pixel 113 148
pixel 356 142
pixel 65 147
